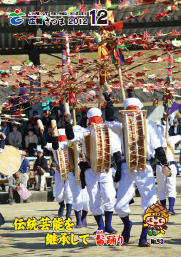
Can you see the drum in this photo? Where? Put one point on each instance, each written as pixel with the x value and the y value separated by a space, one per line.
pixel 78 157
pixel 135 139
pixel 63 164
pixel 10 160
pixel 100 148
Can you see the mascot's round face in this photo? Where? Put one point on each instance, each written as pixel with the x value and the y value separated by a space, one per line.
pixel 155 221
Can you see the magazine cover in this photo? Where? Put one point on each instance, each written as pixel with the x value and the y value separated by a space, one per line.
pixel 90 128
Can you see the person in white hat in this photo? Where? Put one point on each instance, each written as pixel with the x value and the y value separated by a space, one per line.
pixel 40 163
pixel 24 166
pixel 129 180
pixel 164 182
pixel 62 187
pixel 99 186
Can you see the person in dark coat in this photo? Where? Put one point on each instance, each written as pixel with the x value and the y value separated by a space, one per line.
pixel 83 121
pixel 40 170
pixel 48 136
pixel 46 120
pixel 2 145
pixel 24 167
pixel 5 129
pixel 175 129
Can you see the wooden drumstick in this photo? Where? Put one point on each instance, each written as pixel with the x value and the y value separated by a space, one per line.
pixel 107 87
pixel 54 128
pixel 74 115
pixel 166 171
pixel 67 109
pixel 40 125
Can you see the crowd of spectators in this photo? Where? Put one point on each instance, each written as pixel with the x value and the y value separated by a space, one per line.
pixel 25 136
pixel 174 123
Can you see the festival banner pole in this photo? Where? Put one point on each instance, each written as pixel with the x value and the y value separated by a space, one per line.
pixel 170 65
pixel 100 89
pixel 111 19
pixel 121 83
pixel 67 45
pixel 64 70
pixel 63 63
pixel 74 115
pixel 166 128
pixel 103 52
pixel 70 71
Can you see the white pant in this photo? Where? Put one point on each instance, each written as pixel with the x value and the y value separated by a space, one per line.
pixel 40 180
pixel 25 179
pixel 100 187
pixel 126 189
pixel 63 191
pixel 165 182
pixel 80 196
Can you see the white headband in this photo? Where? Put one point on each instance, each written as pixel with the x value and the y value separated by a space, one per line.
pixel 132 101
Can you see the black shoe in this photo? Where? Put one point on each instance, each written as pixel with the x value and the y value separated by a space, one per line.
pixel 145 244
pixel 132 201
pixel 26 201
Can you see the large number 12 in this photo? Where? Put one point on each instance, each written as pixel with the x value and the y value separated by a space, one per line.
pixel 99 18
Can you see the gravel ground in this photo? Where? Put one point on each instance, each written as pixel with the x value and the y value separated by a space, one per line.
pixel 32 243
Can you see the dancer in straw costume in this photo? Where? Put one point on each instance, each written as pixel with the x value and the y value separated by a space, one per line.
pixel 135 168
pixel 98 174
pixel 59 150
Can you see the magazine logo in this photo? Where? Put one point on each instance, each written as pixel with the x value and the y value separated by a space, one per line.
pixel 16 17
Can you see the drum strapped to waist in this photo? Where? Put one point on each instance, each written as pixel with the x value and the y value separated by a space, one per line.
pixel 41 171
pixel 76 155
pixel 135 139
pixel 98 148
pixel 63 165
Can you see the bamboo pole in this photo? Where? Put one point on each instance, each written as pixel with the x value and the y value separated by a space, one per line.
pixel 170 64
pixel 100 90
pixel 166 136
pixel 100 97
pixel 121 83
pixel 74 115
